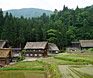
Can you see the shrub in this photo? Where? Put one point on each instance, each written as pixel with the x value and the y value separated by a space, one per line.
pixel 61 51
pixel 90 49
pixel 20 58
pixel 84 50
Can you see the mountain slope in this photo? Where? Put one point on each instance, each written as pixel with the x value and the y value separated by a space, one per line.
pixel 28 12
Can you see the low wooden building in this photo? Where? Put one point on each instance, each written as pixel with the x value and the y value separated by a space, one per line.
pixel 52 48
pixel 76 44
pixel 5 56
pixel 16 52
pixel 4 44
pixel 36 49
pixel 86 44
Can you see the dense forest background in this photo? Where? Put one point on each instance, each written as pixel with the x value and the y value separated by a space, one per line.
pixel 61 28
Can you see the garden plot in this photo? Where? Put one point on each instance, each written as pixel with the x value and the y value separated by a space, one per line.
pixel 76 71
pixel 23 74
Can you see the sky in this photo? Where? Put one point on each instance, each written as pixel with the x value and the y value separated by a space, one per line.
pixel 44 4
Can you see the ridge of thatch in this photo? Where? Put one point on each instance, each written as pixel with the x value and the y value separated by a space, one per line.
pixel 86 43
pixel 2 43
pixel 52 46
pixel 35 45
pixel 5 52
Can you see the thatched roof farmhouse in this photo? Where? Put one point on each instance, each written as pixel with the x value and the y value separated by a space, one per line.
pixel 52 48
pixel 5 56
pixel 36 49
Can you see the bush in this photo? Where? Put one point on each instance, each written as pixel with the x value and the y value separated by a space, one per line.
pixel 20 58
pixel 90 49
pixel 61 51
pixel 84 50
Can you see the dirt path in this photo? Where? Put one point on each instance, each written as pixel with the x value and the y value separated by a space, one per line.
pixel 76 71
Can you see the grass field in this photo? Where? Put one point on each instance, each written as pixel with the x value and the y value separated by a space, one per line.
pixel 23 74
pixel 59 61
pixel 67 64
pixel 82 58
pixel 26 64
pixel 76 71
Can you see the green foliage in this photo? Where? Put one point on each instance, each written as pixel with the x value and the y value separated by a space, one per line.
pixel 20 58
pixel 84 50
pixel 32 68
pixel 60 28
pixel 54 71
pixel 90 49
pixel 62 51
pixel 28 12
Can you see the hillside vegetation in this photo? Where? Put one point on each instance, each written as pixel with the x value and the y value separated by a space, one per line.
pixel 60 28
pixel 28 12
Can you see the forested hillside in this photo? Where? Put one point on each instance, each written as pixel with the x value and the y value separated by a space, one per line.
pixel 28 12
pixel 61 28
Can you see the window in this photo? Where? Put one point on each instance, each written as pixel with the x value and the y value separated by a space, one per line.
pixel 31 54
pixel 27 54
pixel 35 54
pixel 56 51
pixel 40 54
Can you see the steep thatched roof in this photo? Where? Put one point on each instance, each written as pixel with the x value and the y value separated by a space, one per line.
pixel 2 43
pixel 86 43
pixel 5 53
pixel 52 46
pixel 35 45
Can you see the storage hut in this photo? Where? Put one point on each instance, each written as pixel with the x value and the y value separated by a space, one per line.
pixel 4 44
pixel 16 52
pixel 52 48
pixel 76 44
pixel 5 56
pixel 86 44
pixel 36 49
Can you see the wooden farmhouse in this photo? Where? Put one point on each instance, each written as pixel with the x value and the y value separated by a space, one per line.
pixel 5 56
pixel 36 49
pixel 52 48
pixel 86 44
pixel 16 52
pixel 4 44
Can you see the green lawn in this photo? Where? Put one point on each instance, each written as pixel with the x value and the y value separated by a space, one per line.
pixel 23 74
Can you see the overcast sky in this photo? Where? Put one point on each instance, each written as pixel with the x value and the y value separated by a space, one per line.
pixel 44 4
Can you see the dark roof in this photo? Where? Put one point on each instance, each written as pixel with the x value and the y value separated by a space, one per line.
pixel 52 46
pixel 86 43
pixel 17 49
pixel 35 45
pixel 2 43
pixel 5 52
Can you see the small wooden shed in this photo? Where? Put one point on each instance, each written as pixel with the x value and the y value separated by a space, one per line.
pixel 86 44
pixel 52 48
pixel 36 49
pixel 76 44
pixel 5 56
